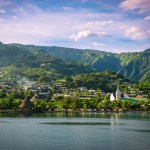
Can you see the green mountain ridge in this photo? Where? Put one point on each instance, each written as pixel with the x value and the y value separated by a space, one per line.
pixel 134 66
pixel 21 61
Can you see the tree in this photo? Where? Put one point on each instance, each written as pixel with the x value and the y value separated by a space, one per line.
pixel 43 79
pixel 148 95
pixel 66 103
pixel 3 94
pixel 15 95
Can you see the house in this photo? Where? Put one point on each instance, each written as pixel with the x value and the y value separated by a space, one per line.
pixel 102 93
pixel 114 84
pixel 67 95
pixel 126 95
pixel 92 92
pixel 83 88
pixel 42 65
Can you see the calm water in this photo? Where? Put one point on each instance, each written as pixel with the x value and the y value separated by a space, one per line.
pixel 75 131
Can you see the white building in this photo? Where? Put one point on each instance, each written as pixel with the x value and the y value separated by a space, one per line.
pixel 126 96
pixel 112 97
pixel 118 93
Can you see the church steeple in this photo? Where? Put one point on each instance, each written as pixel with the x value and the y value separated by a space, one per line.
pixel 118 86
pixel 118 93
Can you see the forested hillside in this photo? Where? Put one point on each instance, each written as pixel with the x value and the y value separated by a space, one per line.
pixel 106 80
pixel 21 62
pixel 135 66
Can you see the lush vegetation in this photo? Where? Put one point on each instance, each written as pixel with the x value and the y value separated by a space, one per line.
pixel 73 69
pixel 106 81
pixel 135 66
pixel 61 104
pixel 97 103
pixel 12 100
pixel 18 62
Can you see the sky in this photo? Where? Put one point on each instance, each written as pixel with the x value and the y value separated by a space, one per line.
pixel 105 25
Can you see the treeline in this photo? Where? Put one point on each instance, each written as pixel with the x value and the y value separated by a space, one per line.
pixel 93 104
pixel 60 103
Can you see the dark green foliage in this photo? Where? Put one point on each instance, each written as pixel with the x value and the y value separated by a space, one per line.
pixel 8 103
pixel 97 80
pixel 135 66
pixel 148 95
pixel 17 60
pixel 61 103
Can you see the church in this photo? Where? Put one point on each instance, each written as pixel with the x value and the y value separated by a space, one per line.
pixel 117 95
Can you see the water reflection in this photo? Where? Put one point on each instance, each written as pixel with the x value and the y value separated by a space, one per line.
pixel 79 123
pixel 71 131
pixel 112 116
pixel 4 122
pixel 138 130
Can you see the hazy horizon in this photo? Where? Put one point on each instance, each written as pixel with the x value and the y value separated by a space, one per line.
pixel 100 50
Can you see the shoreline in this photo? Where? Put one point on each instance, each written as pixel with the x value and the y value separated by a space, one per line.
pixel 74 111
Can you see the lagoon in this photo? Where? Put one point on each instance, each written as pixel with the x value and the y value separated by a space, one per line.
pixel 75 131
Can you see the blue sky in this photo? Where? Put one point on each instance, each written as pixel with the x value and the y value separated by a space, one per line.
pixel 106 25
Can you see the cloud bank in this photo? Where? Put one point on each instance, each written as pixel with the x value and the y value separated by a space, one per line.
pixel 83 26
pixel 87 33
pixel 142 5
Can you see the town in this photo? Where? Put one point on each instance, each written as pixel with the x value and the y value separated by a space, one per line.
pixel 25 95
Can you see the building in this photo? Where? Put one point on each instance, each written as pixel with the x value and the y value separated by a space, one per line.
pixel 117 96
pixel 112 97
pixel 83 89
pixel 26 104
pixel 118 93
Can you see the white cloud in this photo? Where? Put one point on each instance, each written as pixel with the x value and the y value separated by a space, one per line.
pixel 87 33
pixel 142 5
pixel 95 24
pixel 38 26
pixel 147 18
pixel 68 8
pixel 135 33
pixel 30 24
pixel 2 11
pixel 96 44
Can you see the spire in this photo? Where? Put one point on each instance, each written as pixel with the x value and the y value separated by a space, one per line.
pixel 118 93
pixel 118 86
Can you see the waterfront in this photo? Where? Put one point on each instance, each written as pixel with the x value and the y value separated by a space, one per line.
pixel 125 130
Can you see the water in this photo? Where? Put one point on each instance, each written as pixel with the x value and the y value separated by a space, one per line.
pixel 75 131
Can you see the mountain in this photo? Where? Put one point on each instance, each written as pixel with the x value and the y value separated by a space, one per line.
pixel 17 62
pixel 135 66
